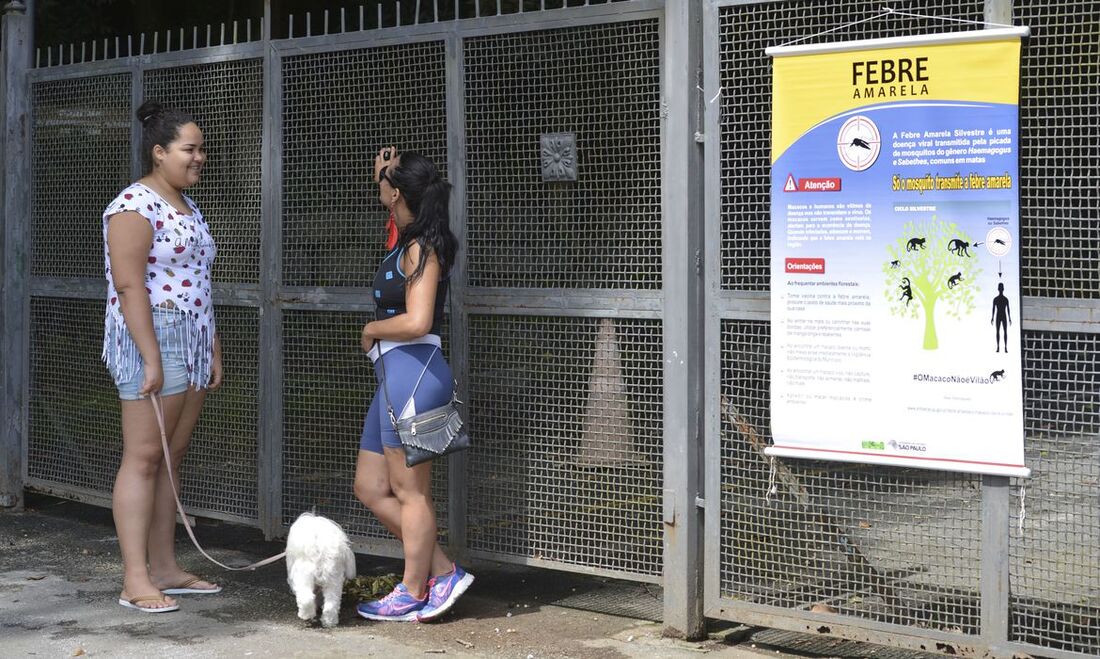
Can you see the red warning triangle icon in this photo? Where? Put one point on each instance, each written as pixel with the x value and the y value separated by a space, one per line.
pixel 790 185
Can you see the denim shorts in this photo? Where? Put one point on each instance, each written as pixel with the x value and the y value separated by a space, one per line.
pixel 168 326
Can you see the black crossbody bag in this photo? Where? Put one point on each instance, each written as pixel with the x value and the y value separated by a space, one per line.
pixel 430 434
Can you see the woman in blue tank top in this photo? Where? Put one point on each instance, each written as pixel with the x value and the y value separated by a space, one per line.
pixel 410 288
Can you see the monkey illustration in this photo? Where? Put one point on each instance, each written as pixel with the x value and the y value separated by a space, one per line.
pixel 914 243
pixel 895 264
pixel 954 279
pixel 906 290
pixel 997 375
pixel 958 247
pixel 860 143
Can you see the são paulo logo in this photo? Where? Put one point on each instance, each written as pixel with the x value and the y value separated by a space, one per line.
pixel 858 143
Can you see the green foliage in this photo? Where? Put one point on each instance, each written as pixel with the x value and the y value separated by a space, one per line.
pixel 365 588
pixel 928 270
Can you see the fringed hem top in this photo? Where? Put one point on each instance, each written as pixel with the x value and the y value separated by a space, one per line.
pixel 177 275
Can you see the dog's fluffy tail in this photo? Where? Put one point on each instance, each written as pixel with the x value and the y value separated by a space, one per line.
pixel 306 536
pixel 349 562
pixel 320 542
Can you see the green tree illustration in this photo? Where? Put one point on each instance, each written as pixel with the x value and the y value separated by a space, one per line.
pixel 928 269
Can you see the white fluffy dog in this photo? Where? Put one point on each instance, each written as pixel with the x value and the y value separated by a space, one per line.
pixel 318 557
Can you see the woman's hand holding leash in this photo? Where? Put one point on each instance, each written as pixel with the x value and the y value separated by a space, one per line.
pixel 154 378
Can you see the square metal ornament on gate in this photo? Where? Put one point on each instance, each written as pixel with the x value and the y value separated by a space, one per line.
pixel 559 157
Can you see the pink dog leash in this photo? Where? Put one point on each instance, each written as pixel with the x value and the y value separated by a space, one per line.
pixel 179 505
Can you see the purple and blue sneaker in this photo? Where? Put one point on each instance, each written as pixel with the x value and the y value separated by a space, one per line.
pixel 398 605
pixel 443 592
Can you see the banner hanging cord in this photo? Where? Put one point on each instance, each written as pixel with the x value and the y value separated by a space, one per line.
pixel 772 489
pixel 1023 512
pixel 887 11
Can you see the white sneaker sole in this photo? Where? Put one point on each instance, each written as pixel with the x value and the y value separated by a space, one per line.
pixel 456 592
pixel 408 617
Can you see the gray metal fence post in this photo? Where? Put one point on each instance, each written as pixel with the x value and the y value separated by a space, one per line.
pixel 137 97
pixel 269 454
pixel 996 517
pixel 15 132
pixel 460 358
pixel 998 11
pixel 995 560
pixel 682 217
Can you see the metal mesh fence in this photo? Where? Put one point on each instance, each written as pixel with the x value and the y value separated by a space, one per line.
pixel 1059 149
pixel 567 411
pixel 1055 544
pixel 899 545
pixel 602 84
pixel 567 460
pixel 75 434
pixel 745 31
pixel 226 100
pixel 220 473
pixel 328 384
pixel 81 160
pixel 889 544
pixel 338 110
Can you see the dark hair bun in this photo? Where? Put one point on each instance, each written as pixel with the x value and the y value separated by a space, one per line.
pixel 148 110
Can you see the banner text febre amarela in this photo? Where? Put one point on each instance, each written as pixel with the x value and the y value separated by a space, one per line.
pixel 928 73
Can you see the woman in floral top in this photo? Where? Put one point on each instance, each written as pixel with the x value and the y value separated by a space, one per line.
pixel 159 338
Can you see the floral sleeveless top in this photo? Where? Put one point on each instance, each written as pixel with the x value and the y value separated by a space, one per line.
pixel 178 271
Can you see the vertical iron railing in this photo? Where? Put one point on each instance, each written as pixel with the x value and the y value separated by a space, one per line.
pixel 15 120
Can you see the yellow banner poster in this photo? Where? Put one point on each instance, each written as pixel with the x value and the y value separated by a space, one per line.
pixel 895 291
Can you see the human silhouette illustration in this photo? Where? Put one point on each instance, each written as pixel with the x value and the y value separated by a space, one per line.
pixel 1001 316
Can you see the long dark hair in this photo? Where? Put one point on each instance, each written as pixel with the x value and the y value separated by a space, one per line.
pixel 160 126
pixel 427 196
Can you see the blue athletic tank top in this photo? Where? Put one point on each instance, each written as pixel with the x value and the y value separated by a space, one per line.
pixel 389 291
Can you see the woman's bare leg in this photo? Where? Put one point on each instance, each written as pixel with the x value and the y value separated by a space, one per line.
pixel 132 502
pixel 163 569
pixel 372 488
pixel 412 487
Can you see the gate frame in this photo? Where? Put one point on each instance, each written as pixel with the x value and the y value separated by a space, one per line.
pixel 1036 314
pixel 271 298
